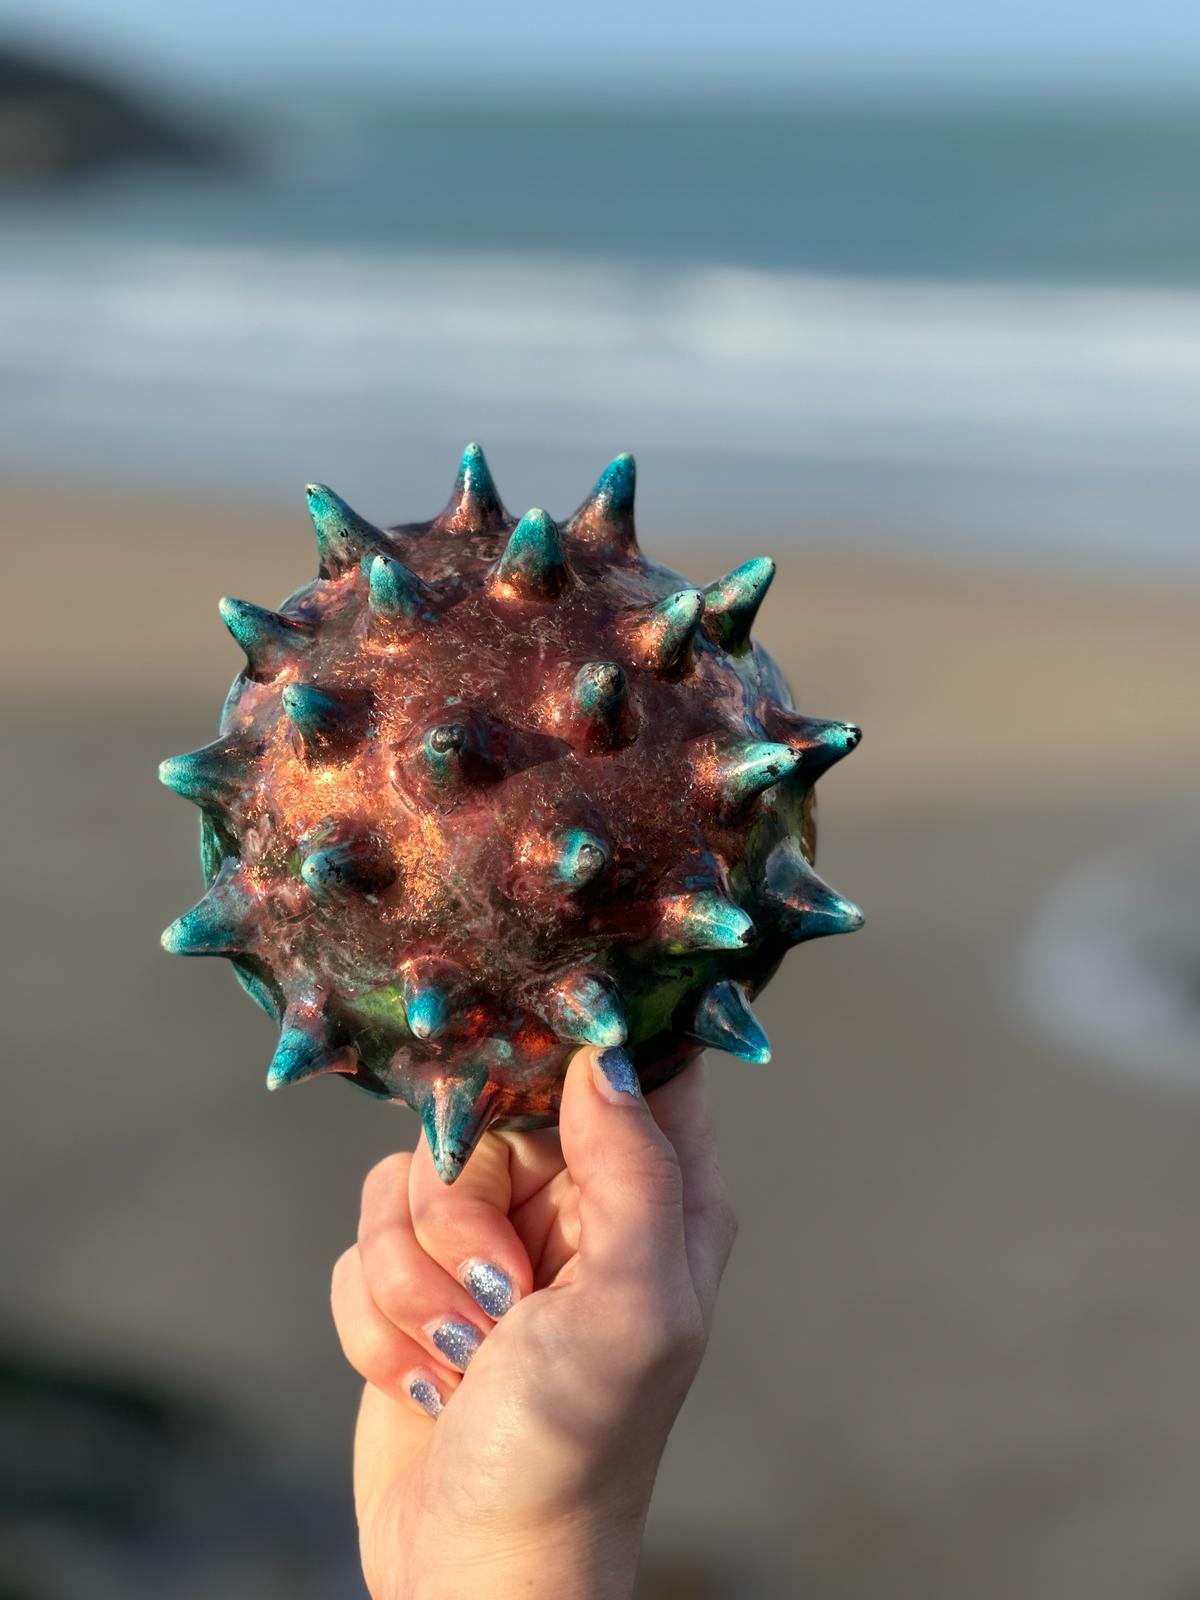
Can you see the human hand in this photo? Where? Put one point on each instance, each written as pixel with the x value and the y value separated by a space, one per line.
pixel 576 1271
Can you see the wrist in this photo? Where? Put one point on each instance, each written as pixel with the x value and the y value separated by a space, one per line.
pixel 589 1557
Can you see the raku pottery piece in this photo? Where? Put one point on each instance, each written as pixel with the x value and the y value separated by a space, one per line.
pixel 488 789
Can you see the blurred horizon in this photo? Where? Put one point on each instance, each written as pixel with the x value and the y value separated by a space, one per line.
pixel 969 326
pixel 1031 44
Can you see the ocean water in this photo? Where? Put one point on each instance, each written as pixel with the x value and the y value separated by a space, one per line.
pixel 964 327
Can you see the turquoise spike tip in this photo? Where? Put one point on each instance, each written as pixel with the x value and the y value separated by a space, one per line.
pixel 208 776
pixel 427 1011
pixel 754 767
pixel 604 522
pixel 668 631
pixel 617 485
pixel 301 1054
pixel 705 920
pixel 474 475
pixel 731 603
pixel 725 1021
pixel 220 924
pixel 533 562
pixel 585 1009
pixel 475 505
pixel 580 858
pixel 454 1117
pixel 396 594
pixel 270 641
pixel 343 537
pixel 319 718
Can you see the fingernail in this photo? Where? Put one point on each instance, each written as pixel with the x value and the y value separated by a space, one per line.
pixel 427 1395
pixel 616 1076
pixel 457 1341
pixel 489 1287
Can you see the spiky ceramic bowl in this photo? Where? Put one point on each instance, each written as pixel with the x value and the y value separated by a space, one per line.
pixel 489 789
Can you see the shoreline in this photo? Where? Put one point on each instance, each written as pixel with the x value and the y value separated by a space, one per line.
pixel 959 677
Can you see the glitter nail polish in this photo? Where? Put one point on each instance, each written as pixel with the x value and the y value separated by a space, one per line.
pixel 617 1075
pixel 425 1392
pixel 489 1287
pixel 457 1341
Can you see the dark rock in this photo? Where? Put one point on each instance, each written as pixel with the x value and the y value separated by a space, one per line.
pixel 56 121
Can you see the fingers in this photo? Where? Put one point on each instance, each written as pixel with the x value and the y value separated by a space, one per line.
pixel 633 1210
pixel 548 1223
pixel 378 1350
pixel 433 1269
pixel 534 1161
pixel 465 1227
pixel 625 1169
pixel 412 1291
pixel 682 1109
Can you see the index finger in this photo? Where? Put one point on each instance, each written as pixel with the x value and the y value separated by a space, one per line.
pixel 464 1226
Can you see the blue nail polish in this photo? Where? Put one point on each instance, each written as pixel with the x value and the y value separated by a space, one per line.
pixel 457 1341
pixel 426 1394
pixel 619 1071
pixel 489 1287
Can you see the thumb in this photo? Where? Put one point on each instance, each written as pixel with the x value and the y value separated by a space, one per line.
pixel 624 1168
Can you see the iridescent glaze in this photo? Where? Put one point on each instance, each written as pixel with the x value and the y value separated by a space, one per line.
pixel 489 789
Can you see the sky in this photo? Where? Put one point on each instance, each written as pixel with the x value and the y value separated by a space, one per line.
pixel 530 46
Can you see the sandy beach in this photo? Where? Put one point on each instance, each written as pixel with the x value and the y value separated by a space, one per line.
pixel 957 1350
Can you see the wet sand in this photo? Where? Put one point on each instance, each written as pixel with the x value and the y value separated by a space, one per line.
pixel 958 1348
